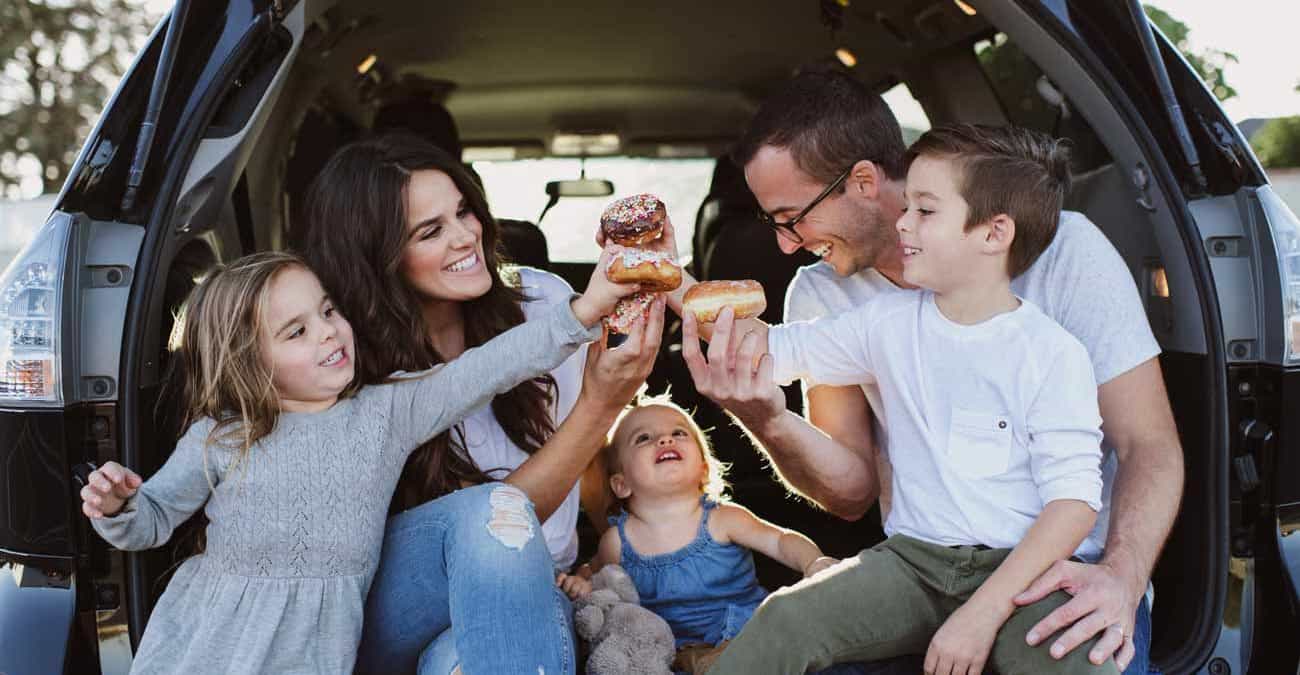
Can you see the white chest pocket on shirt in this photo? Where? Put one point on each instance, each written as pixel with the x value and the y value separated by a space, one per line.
pixel 979 443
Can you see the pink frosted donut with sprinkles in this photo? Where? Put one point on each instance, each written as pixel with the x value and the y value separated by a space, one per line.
pixel 635 220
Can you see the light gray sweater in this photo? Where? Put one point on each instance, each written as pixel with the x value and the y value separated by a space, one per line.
pixel 295 531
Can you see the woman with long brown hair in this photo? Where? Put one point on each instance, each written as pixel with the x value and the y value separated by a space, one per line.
pixel 403 240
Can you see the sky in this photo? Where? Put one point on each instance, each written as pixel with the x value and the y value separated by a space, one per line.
pixel 1262 34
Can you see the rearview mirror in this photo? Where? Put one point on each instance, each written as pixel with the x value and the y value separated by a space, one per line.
pixel 583 187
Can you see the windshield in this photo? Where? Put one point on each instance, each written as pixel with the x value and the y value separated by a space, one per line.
pixel 517 189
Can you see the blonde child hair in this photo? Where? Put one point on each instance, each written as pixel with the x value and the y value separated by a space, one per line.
pixel 218 361
pixel 714 484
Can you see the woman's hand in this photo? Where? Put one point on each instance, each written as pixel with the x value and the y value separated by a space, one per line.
pixel 613 376
pixel 107 489
pixel 601 294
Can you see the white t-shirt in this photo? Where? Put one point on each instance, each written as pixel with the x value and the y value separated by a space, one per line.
pixel 494 452
pixel 1080 282
pixel 989 422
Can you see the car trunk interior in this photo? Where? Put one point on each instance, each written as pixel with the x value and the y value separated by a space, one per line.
pixel 680 78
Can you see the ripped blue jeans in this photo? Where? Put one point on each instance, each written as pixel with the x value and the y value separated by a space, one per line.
pixel 466 580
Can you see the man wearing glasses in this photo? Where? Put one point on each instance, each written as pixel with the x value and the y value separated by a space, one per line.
pixel 824 157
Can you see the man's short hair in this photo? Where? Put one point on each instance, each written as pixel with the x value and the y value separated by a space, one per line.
pixel 828 121
pixel 1010 170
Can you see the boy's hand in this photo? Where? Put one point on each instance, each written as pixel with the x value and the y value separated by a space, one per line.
pixel 962 643
pixel 819 565
pixel 107 489
pixel 601 294
pixel 573 585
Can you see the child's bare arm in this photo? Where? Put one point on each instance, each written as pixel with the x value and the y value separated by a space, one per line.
pixel 967 636
pixel 735 523
pixel 609 551
pixel 1055 535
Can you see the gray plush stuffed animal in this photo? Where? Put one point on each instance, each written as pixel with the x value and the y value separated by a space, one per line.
pixel 625 638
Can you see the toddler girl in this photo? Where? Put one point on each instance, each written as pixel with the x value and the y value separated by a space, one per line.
pixel 294 466
pixel 686 549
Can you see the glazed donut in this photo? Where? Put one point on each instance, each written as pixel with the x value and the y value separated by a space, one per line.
pixel 628 311
pixel 657 272
pixel 707 299
pixel 635 220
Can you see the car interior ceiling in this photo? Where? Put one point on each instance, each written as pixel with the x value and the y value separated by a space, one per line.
pixel 515 73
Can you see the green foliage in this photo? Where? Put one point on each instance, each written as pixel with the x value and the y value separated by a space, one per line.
pixel 1208 63
pixel 59 61
pixel 1277 143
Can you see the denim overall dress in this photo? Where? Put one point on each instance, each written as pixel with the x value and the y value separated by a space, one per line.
pixel 706 591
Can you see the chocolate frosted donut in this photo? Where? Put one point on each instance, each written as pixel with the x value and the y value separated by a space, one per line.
pixel 635 220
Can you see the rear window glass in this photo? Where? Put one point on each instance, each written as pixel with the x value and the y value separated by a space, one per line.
pixel 911 116
pixel 1027 99
pixel 517 189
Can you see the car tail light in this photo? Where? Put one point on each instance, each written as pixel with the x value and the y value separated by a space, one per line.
pixel 1286 243
pixel 30 317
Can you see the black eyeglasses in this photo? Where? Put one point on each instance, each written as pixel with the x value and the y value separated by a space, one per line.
pixel 786 229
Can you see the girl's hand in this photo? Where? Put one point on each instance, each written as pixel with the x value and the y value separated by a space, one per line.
pixel 573 585
pixel 601 294
pixel 819 565
pixel 107 489
pixel 962 643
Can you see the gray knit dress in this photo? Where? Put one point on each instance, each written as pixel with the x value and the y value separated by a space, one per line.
pixel 295 531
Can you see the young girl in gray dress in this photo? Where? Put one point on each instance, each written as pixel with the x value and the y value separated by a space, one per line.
pixel 294 465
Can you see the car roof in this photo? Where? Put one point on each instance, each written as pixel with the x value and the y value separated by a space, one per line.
pixel 677 69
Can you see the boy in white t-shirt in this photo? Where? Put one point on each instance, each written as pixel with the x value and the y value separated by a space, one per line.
pixel 992 413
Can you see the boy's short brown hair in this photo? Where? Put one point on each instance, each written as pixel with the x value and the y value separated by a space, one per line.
pixel 1010 170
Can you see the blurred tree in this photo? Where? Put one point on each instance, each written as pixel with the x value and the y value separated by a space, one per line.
pixel 1209 63
pixel 59 61
pixel 1277 143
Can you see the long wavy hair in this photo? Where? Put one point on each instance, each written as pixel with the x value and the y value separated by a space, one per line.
pixel 356 232
pixel 218 360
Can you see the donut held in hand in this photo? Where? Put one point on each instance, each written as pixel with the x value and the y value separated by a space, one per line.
pixel 628 311
pixel 657 272
pixel 635 220
pixel 707 299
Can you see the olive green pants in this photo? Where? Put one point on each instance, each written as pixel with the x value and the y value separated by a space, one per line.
pixel 889 601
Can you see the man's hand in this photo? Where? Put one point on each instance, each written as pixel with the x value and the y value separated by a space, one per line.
pixel 962 643
pixel 1104 602
pixel 734 376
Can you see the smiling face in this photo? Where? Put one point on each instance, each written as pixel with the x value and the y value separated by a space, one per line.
pixel 659 454
pixel 443 258
pixel 305 342
pixel 939 252
pixel 846 230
